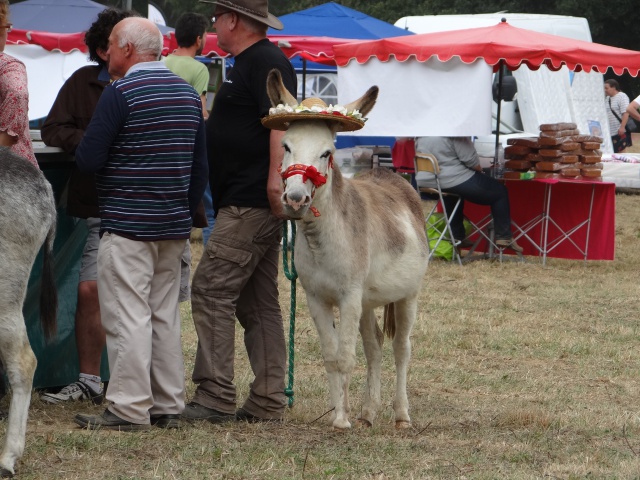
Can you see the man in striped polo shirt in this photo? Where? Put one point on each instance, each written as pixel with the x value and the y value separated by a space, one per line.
pixel 146 143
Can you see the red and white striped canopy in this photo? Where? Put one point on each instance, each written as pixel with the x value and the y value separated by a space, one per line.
pixel 501 44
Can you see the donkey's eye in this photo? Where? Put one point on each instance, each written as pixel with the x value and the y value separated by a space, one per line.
pixel 326 154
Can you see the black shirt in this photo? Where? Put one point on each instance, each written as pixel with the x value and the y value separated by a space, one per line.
pixel 237 143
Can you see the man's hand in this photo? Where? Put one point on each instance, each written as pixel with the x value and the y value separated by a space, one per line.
pixel 274 183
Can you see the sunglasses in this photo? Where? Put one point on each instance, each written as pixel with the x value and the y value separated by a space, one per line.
pixel 7 27
pixel 215 18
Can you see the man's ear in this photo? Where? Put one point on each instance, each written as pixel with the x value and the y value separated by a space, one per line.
pixel 128 50
pixel 102 53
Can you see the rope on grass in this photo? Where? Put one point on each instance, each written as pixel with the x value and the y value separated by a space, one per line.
pixel 292 275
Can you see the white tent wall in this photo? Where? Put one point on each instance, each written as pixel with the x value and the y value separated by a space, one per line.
pixel 421 99
pixel 46 72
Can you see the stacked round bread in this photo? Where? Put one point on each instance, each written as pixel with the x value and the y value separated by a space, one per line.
pixel 560 151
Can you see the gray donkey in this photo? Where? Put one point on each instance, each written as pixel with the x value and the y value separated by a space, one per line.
pixel 27 221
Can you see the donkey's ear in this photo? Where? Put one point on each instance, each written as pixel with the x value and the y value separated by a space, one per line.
pixel 277 92
pixel 365 103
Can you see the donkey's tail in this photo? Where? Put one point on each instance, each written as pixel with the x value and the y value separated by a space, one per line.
pixel 389 315
pixel 48 290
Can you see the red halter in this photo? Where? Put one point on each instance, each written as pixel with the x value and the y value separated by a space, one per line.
pixel 308 172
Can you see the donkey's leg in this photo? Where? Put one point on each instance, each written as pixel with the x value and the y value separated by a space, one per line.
pixel 405 316
pixel 338 351
pixel 324 320
pixel 350 313
pixel 20 365
pixel 372 342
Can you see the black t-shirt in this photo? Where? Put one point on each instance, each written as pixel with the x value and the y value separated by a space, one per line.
pixel 237 143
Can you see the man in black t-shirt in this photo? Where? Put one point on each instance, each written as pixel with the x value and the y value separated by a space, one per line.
pixel 237 276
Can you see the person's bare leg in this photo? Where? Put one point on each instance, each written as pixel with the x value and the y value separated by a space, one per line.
pixel 90 336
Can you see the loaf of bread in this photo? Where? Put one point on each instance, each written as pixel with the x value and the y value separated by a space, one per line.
pixel 590 159
pixel 534 157
pixel 592 166
pixel 568 146
pixel 547 175
pixel 554 127
pixel 569 159
pixel 550 152
pixel 516 151
pixel 559 133
pixel 591 174
pixel 510 175
pixel 570 172
pixel 521 165
pixel 531 142
pixel 549 166
pixel 587 138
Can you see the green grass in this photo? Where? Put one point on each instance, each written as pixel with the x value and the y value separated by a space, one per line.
pixel 519 371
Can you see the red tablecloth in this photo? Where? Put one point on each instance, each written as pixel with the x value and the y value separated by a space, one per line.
pixel 569 206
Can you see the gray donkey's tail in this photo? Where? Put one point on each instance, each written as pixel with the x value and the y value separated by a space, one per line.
pixel 48 290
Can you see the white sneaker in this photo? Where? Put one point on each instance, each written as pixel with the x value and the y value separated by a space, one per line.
pixel 74 391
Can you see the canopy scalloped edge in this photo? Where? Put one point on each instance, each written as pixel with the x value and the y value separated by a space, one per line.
pixel 494 62
pixel 497 45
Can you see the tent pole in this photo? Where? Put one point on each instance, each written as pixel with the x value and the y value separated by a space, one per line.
pixel 304 78
pixel 495 158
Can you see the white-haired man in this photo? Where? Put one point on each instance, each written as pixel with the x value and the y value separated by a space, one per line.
pixel 146 143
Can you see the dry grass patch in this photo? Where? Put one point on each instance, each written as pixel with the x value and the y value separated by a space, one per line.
pixel 519 371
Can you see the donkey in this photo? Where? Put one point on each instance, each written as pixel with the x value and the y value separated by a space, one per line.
pixel 27 221
pixel 361 244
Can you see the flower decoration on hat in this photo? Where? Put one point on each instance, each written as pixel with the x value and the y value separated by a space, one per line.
pixel 281 116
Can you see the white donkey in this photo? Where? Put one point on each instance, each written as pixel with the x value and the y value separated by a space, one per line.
pixel 361 244
pixel 27 219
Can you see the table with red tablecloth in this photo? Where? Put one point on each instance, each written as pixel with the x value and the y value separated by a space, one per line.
pixel 573 219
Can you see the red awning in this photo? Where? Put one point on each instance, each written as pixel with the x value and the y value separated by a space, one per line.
pixel 501 44
pixel 316 49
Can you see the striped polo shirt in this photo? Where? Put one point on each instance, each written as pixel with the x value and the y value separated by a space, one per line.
pixel 154 122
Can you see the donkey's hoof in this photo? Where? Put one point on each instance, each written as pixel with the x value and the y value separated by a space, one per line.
pixel 402 425
pixel 341 425
pixel 4 473
pixel 363 423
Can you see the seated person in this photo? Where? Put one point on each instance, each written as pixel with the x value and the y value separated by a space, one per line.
pixel 460 173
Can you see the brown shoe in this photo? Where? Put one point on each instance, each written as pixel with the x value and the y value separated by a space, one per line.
pixel 109 421
pixel 194 411
pixel 243 416
pixel 509 243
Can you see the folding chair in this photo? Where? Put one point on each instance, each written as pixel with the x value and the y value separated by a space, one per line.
pixel 428 163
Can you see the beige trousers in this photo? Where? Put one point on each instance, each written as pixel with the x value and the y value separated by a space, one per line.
pixel 138 287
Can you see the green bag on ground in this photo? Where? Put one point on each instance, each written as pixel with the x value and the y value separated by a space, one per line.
pixel 435 225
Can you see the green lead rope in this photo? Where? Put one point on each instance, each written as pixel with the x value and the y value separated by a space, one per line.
pixel 292 275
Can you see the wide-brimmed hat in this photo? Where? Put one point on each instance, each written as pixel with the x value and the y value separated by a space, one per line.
pixel 256 9
pixel 280 117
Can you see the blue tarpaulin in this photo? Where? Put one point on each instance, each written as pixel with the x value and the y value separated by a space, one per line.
pixel 335 20
pixel 57 16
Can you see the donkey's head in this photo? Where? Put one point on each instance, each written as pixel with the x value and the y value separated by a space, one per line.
pixel 311 127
